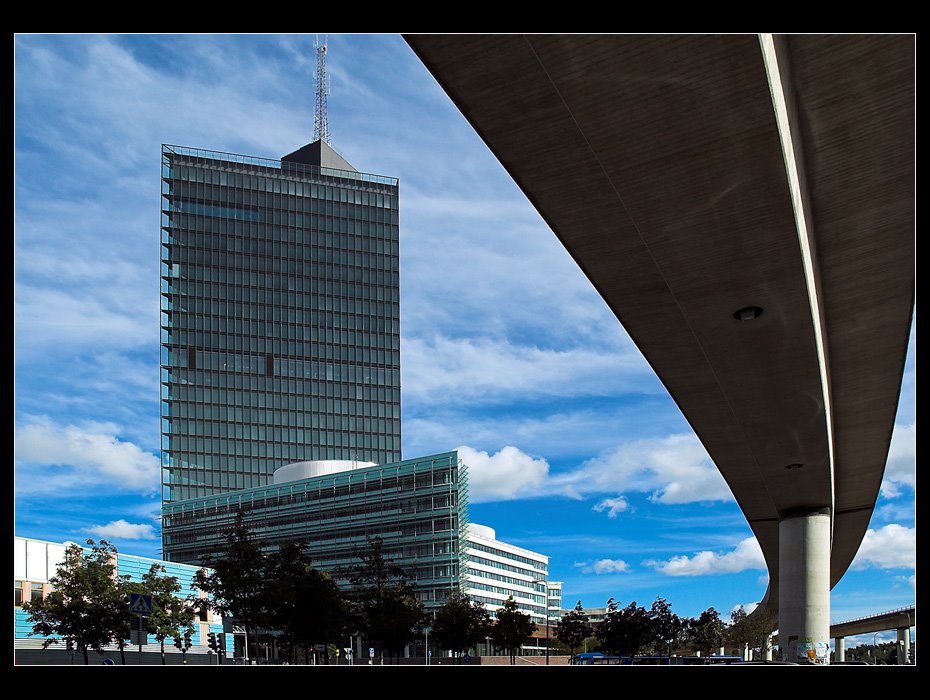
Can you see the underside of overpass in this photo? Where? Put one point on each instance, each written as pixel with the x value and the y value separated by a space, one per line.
pixel 745 206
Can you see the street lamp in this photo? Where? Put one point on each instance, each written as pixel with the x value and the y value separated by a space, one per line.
pixel 547 618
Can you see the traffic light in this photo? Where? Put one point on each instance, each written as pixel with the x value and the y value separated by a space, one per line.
pixel 211 641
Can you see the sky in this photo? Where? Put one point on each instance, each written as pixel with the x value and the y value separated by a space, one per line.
pixel 574 447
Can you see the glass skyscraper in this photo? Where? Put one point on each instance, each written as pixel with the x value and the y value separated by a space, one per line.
pixel 280 317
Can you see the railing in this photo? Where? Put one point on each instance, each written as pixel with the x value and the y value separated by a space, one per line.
pixel 909 608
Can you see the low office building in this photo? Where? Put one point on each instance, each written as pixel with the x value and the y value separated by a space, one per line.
pixel 418 507
pixel 35 562
pixel 497 571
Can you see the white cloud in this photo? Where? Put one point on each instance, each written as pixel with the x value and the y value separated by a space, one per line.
pixel 901 467
pixel 52 458
pixel 674 469
pixel 891 547
pixel 487 370
pixel 120 529
pixel 747 607
pixel 603 566
pixel 505 475
pixel 747 555
pixel 612 506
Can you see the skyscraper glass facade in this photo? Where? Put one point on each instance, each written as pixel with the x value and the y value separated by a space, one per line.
pixel 280 322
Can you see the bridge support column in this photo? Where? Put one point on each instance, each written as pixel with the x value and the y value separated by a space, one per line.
pixel 840 649
pixel 904 645
pixel 804 586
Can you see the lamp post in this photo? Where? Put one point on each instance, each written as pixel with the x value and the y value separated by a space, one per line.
pixel 546 608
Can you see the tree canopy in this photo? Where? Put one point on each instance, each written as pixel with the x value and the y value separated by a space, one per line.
pixel 573 628
pixel 624 630
pixel 512 628
pixel 461 623
pixel 387 610
pixel 86 607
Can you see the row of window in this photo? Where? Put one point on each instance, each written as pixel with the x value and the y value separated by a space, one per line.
pixel 256 392
pixel 351 329
pixel 27 591
pixel 293 307
pixel 296 451
pixel 500 577
pixel 287 407
pixel 536 612
pixel 501 565
pixel 240 204
pixel 177 227
pixel 394 481
pixel 216 342
pixel 535 563
pixel 253 253
pixel 505 591
pixel 223 174
pixel 277 433
pixel 221 237
pixel 253 285
pixel 271 365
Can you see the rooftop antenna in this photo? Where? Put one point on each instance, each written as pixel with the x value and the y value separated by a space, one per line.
pixel 320 118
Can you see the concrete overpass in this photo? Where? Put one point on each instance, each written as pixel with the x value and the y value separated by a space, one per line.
pixel 745 206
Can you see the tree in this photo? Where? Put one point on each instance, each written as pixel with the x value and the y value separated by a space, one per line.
pixel 461 623
pixel 81 610
pixel 236 584
pixel 512 628
pixel 303 603
pixel 573 629
pixel 626 630
pixel 667 629
pixel 386 608
pixel 707 632
pixel 753 629
pixel 172 616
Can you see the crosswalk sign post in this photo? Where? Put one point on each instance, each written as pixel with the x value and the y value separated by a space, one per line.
pixel 140 605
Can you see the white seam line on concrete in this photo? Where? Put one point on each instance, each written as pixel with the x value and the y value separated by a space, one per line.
pixel 770 58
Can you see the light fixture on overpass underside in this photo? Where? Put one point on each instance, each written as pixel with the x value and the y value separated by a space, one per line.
pixel 748 313
pixel 793 466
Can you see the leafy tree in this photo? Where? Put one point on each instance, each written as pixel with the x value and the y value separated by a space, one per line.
pixel 81 610
pixel 707 632
pixel 754 629
pixel 512 628
pixel 303 603
pixel 387 611
pixel 624 630
pixel 172 616
pixel 667 629
pixel 573 629
pixel 461 623
pixel 236 584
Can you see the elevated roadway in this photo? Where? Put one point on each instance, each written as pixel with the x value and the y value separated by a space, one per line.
pixel 745 207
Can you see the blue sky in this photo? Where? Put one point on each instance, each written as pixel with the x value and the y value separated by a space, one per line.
pixel 574 447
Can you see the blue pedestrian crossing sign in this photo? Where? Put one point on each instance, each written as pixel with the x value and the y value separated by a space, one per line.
pixel 140 604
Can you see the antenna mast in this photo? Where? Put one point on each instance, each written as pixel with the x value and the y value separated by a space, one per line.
pixel 320 118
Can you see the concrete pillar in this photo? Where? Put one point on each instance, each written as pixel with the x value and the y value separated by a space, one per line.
pixel 697 653
pixel 804 586
pixel 722 652
pixel 904 645
pixel 768 650
pixel 840 649
pixel 747 655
